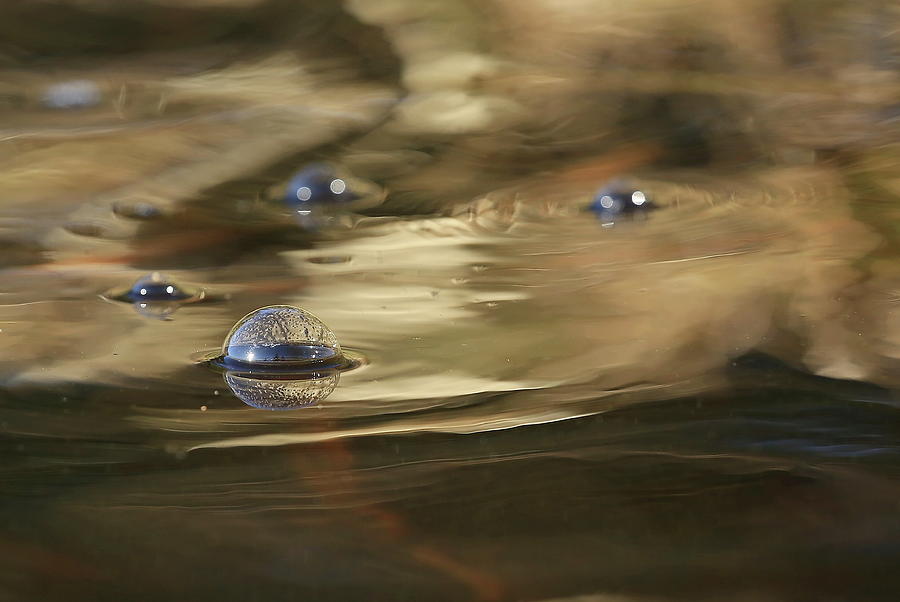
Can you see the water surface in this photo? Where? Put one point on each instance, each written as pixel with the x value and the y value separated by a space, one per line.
pixel 696 403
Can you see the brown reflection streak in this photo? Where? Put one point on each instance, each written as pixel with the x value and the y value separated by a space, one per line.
pixel 608 165
pixel 599 168
pixel 39 561
pixel 161 246
pixel 394 529
pixel 484 587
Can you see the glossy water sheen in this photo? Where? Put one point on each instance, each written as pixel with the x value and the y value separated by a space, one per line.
pixel 699 406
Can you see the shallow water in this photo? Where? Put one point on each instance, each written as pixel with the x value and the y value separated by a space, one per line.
pixel 697 402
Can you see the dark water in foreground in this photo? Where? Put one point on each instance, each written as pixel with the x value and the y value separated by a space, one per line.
pixel 692 400
pixel 782 488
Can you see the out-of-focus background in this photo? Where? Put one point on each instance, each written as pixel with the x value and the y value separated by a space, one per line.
pixel 623 279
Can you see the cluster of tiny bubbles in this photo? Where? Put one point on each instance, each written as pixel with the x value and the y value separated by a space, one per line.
pixel 617 201
pixel 156 296
pixel 281 357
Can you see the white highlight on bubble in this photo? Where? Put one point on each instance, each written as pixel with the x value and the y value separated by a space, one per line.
pixel 638 198
pixel 337 186
pixel 606 202
pixel 304 193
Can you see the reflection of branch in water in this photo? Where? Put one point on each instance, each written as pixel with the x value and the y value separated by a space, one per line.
pixel 36 562
pixel 391 527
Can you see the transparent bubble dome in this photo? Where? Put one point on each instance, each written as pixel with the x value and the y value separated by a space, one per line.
pixel 280 335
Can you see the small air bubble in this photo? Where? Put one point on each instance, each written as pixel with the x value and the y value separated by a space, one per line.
pixel 156 296
pixel 156 287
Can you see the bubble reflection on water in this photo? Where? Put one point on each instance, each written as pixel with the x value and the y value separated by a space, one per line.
pixel 283 393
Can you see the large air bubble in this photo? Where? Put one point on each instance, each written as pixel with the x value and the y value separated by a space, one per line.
pixel 281 357
pixel 280 335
